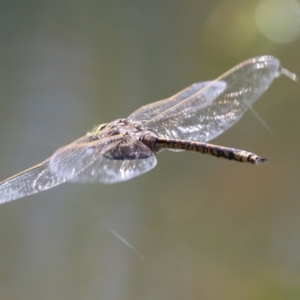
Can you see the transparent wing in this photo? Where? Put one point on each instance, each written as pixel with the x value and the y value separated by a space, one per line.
pixel 30 181
pixel 111 171
pixel 130 158
pixel 70 160
pixel 213 109
pixel 60 167
pixel 149 111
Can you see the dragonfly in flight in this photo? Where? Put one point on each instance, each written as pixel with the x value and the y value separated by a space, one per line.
pixel 126 148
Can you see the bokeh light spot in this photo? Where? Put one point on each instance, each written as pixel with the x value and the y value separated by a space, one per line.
pixel 279 20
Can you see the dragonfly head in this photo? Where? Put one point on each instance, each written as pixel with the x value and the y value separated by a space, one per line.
pixel 98 128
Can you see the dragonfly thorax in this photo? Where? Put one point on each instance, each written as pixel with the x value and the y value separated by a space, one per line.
pixel 118 127
pixel 125 127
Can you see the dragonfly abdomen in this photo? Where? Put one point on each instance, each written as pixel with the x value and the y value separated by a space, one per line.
pixel 204 148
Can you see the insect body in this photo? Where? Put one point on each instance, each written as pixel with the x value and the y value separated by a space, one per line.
pixel 126 148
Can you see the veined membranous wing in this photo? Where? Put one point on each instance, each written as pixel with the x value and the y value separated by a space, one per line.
pixel 210 108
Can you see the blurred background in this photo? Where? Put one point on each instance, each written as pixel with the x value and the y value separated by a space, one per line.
pixel 201 228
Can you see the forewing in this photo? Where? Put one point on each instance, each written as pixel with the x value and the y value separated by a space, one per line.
pixel 60 167
pixel 149 111
pixel 223 107
pixel 130 158
pixel 30 181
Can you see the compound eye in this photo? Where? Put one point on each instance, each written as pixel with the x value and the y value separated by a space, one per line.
pixel 98 128
pixel 102 126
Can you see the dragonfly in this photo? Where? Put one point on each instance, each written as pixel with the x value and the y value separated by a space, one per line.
pixel 126 148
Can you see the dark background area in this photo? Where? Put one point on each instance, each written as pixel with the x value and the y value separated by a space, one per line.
pixel 204 228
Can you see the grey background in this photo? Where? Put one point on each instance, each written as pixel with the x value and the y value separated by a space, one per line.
pixel 205 228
